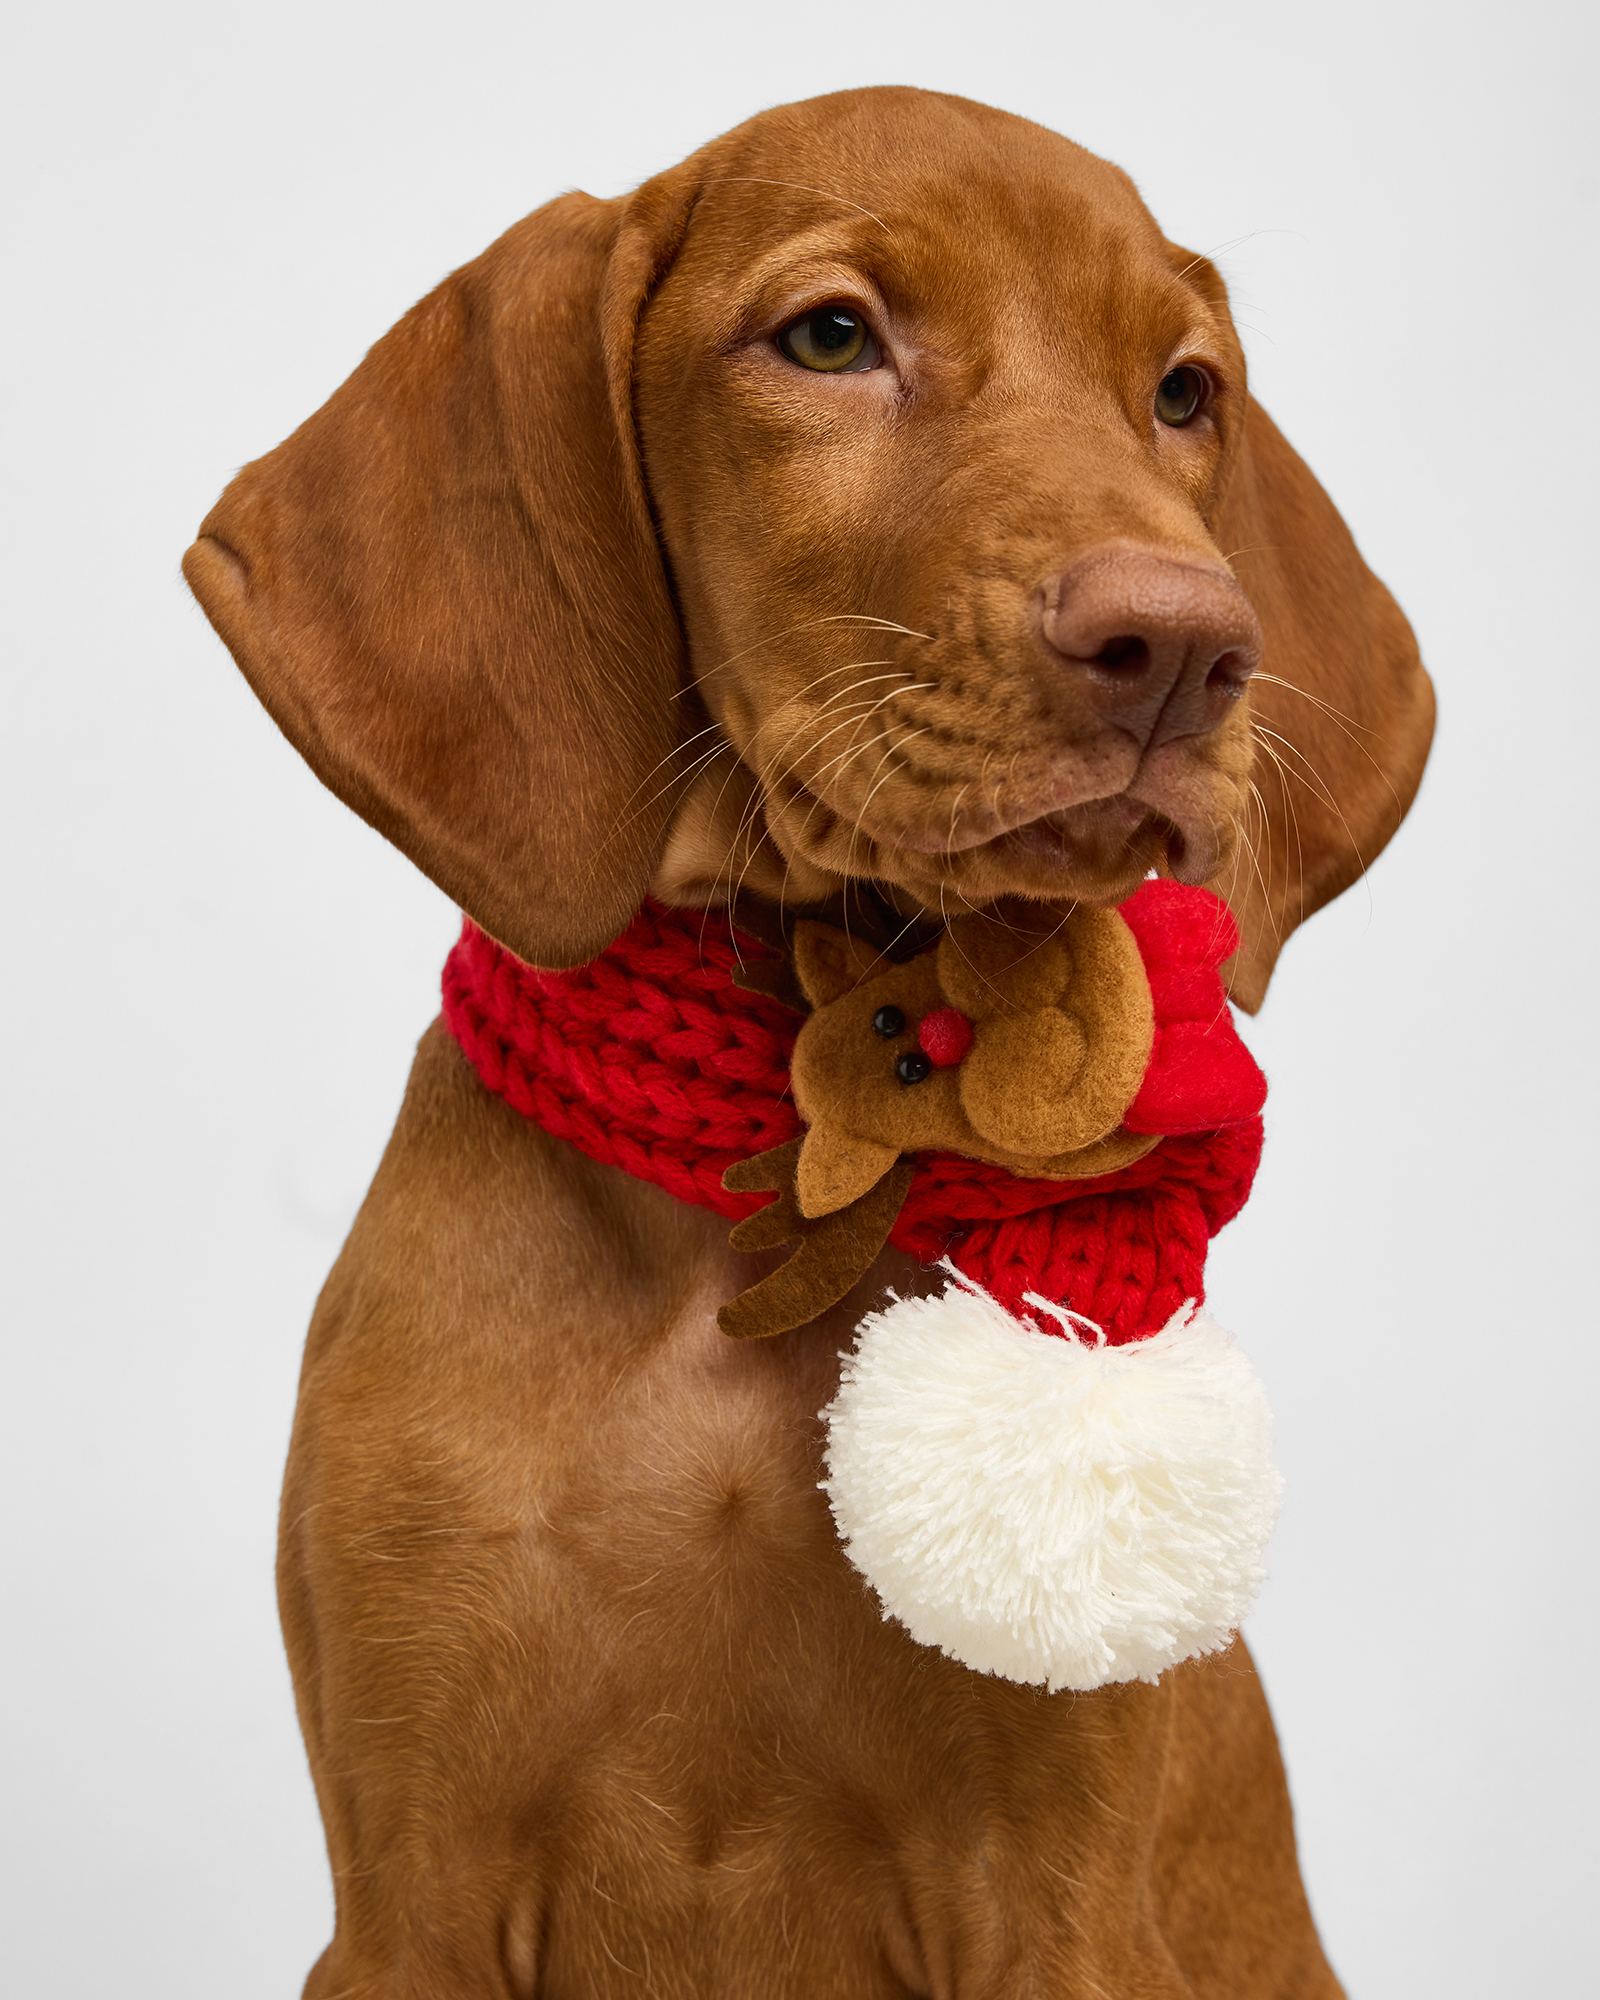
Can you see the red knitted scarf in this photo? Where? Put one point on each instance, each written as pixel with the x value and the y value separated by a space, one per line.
pixel 649 1058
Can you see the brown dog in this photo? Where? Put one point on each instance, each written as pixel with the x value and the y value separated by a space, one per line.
pixel 860 500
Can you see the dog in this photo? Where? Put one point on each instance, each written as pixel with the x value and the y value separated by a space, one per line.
pixel 873 504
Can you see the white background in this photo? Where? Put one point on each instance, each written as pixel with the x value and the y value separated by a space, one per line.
pixel 215 973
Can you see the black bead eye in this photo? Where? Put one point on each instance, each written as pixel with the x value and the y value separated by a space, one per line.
pixel 1181 396
pixel 888 1022
pixel 833 340
pixel 913 1067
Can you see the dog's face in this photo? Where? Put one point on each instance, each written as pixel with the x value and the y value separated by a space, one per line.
pixel 861 499
pixel 934 481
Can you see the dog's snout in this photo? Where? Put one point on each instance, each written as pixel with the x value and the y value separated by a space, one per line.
pixel 1160 648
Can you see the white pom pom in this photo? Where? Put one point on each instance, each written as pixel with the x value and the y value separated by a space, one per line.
pixel 1054 1511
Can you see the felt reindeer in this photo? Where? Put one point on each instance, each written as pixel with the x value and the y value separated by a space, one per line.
pixel 1020 1039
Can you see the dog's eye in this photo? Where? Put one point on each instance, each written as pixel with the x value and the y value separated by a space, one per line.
pixel 1181 396
pixel 833 340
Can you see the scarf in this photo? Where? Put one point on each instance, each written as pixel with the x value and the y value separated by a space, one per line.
pixel 650 1058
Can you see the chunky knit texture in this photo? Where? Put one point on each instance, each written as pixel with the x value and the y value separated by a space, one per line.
pixel 649 1058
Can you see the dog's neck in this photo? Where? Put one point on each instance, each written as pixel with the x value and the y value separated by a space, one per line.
pixel 669 1057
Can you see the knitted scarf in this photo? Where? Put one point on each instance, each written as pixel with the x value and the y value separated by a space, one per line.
pixel 649 1058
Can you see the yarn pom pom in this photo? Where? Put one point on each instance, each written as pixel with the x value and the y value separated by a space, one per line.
pixel 1054 1511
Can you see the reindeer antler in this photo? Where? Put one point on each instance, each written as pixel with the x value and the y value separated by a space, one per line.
pixel 835 1250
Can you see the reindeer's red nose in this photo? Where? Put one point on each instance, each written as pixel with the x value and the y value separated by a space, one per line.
pixel 945 1037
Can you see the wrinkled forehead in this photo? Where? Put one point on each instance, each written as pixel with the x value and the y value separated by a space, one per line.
pixel 962 215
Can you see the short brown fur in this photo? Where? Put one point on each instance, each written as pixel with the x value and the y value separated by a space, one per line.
pixel 576 589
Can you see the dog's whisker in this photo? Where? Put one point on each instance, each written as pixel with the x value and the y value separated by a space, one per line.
pixel 846 756
pixel 894 750
pixel 1327 707
pixel 602 848
pixel 812 777
pixel 1262 873
pixel 829 707
pixel 754 811
pixel 1347 725
pixel 1261 849
pixel 955 815
pixel 1292 817
pixel 821 712
pixel 787 750
pixel 867 618
pixel 679 779
pixel 856 831
pixel 1309 776
pixel 1288 778
pixel 757 645
pixel 677 750
pixel 703 761
pixel 1291 809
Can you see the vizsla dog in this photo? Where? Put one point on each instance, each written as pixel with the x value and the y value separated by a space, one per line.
pixel 873 502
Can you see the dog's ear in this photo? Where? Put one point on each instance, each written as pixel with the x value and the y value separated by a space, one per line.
pixel 1343 710
pixel 445 586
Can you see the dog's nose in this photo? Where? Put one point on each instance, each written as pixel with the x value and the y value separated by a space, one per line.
pixel 1161 648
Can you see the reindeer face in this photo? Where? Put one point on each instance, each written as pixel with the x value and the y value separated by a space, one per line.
pixel 1021 1040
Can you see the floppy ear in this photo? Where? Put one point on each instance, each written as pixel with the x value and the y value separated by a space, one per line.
pixel 445 586
pixel 1342 708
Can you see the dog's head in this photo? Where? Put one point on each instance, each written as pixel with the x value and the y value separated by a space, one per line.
pixel 875 496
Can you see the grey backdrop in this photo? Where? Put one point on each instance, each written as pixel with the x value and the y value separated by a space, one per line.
pixel 216 974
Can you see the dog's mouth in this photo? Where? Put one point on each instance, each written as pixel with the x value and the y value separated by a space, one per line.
pixel 1107 837
pixel 1064 834
pixel 1097 850
pixel 1078 812
pixel 1082 822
